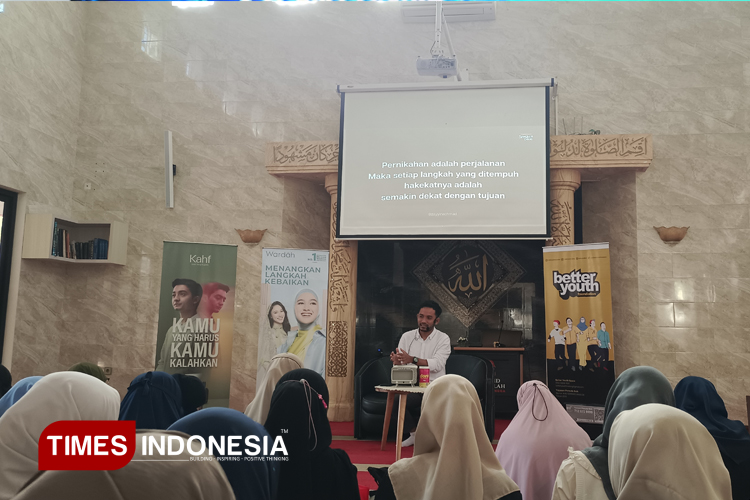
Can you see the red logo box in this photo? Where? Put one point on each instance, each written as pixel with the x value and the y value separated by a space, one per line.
pixel 87 445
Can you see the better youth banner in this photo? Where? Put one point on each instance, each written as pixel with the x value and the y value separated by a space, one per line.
pixel 293 305
pixel 196 314
pixel 580 344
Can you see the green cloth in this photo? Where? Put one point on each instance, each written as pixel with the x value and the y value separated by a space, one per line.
pixel 603 337
pixel 89 369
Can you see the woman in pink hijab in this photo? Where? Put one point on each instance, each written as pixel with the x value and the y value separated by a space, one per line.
pixel 536 442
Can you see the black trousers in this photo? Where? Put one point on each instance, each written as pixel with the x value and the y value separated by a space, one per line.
pixel 594 353
pixel 603 354
pixel 571 355
pixel 411 417
pixel 560 354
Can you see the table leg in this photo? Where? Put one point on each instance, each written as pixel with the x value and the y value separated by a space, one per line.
pixel 520 362
pixel 400 426
pixel 387 422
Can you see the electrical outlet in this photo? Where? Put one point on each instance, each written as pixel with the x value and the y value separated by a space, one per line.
pixel 107 370
pixel 87 186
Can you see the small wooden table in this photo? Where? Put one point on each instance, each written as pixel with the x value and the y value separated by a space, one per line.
pixel 402 391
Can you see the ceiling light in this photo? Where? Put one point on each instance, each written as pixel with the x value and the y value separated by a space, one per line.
pixel 191 4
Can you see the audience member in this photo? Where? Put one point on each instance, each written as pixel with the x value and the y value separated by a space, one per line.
pixel 536 442
pixel 16 392
pixel 280 365
pixel 250 480
pixel 149 478
pixel 314 471
pixel 58 396
pixel 154 401
pixel 585 474
pixel 659 452
pixel 453 458
pixel 89 369
pixel 699 398
pixel 6 380
pixel 194 393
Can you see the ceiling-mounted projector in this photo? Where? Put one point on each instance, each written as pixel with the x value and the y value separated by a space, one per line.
pixel 437 66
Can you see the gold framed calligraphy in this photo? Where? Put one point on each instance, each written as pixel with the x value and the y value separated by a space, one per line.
pixel 467 278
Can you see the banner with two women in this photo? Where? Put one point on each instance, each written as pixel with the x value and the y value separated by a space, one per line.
pixel 196 314
pixel 579 340
pixel 293 305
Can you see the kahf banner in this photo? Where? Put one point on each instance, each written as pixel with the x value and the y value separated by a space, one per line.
pixel 196 314
pixel 293 305
pixel 580 341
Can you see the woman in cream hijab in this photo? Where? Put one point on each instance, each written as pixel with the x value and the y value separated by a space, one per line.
pixel 584 475
pixel 150 477
pixel 280 365
pixel 662 453
pixel 453 458
pixel 58 396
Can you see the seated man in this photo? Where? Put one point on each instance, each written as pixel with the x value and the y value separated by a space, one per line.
pixel 425 346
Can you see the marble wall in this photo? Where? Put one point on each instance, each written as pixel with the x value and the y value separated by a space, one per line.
pixel 230 77
pixel 41 54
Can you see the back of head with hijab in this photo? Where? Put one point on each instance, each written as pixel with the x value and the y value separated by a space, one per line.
pixel 181 478
pixel 636 386
pixel 89 369
pixel 453 458
pixel 280 365
pixel 314 470
pixel 6 380
pixel 698 397
pixel 536 442
pixel 640 469
pixel 250 480
pixel 193 391
pixel 58 396
pixel 16 392
pixel 154 401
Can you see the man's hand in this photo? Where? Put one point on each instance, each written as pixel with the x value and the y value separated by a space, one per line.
pixel 394 358
pixel 403 357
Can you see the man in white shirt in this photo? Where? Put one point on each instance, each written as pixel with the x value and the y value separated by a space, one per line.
pixel 559 337
pixel 425 346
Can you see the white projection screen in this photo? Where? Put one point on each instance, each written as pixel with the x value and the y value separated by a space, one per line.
pixel 445 162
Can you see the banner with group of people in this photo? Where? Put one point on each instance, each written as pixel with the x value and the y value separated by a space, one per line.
pixel 196 314
pixel 293 306
pixel 580 344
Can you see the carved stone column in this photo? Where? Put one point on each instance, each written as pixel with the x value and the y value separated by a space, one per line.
pixel 563 183
pixel 342 297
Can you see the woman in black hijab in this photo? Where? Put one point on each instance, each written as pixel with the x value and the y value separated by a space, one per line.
pixel 314 471
pixel 698 397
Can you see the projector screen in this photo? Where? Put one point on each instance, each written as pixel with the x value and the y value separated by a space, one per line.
pixel 444 163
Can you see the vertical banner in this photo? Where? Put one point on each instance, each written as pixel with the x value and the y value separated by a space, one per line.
pixel 196 314
pixel 293 295
pixel 578 312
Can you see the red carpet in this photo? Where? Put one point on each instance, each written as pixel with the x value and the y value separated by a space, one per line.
pixel 367 452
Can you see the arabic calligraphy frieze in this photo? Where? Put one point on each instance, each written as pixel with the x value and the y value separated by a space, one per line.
pixel 468 277
pixel 599 146
pixel 561 220
pixel 306 153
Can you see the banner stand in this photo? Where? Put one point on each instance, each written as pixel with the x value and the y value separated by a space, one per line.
pixel 580 342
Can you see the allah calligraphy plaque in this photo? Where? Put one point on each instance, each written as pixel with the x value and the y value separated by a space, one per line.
pixel 468 277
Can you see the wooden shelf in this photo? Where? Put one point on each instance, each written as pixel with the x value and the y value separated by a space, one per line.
pixel 39 231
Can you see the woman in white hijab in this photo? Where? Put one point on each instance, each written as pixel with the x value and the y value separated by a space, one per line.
pixel 58 396
pixel 453 458
pixel 180 478
pixel 280 365
pixel 662 453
